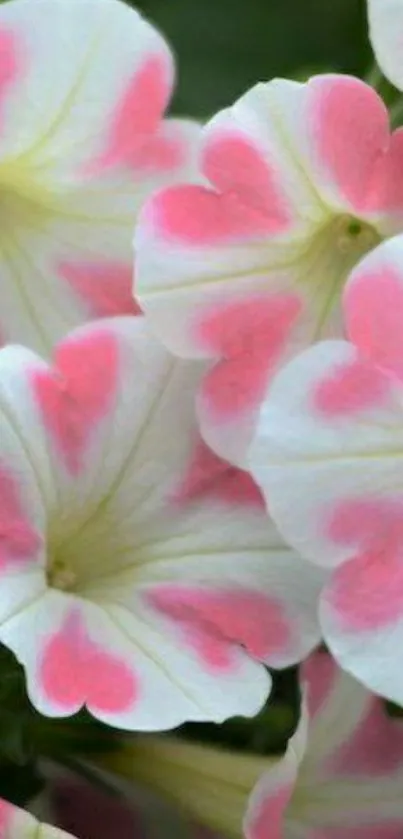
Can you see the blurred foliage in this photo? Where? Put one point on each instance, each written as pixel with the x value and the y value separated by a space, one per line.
pixel 224 46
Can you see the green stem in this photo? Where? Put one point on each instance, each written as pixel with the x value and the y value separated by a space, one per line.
pixel 396 113
pixel 375 77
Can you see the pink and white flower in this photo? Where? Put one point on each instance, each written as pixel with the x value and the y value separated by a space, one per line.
pixel 341 777
pixel 328 455
pixel 385 29
pixel 299 181
pixel 83 88
pixel 342 774
pixel 133 561
pixel 18 824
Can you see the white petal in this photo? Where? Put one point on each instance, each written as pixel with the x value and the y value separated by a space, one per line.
pixel 385 27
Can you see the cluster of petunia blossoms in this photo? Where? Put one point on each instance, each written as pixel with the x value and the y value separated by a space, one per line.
pixel 201 435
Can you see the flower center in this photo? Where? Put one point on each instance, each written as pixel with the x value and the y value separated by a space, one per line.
pixel 87 546
pixel 61 575
pixel 324 266
pixel 25 199
pixel 355 237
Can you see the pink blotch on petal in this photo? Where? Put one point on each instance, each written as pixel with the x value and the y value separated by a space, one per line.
pixel 74 671
pixel 353 387
pixel 11 65
pixel 105 288
pixel 386 194
pixel 208 476
pixel 234 165
pixel 229 614
pixel 250 336
pixel 19 541
pixel 212 649
pixel 76 397
pixel 367 591
pixel 269 814
pixel 166 150
pixel 375 748
pixel 377 329
pixel 245 202
pixel 366 522
pixel 6 817
pixel 198 216
pixel 351 132
pixel 137 115
pixel 319 672
pixel 217 654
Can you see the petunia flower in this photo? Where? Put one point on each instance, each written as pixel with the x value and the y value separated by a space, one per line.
pixel 244 269
pixel 342 774
pixel 133 562
pixel 18 824
pixel 328 455
pixel 385 19
pixel 340 778
pixel 83 88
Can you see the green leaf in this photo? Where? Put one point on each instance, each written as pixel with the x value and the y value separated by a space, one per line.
pixel 225 47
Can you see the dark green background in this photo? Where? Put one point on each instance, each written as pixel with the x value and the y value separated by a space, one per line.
pixel 224 46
